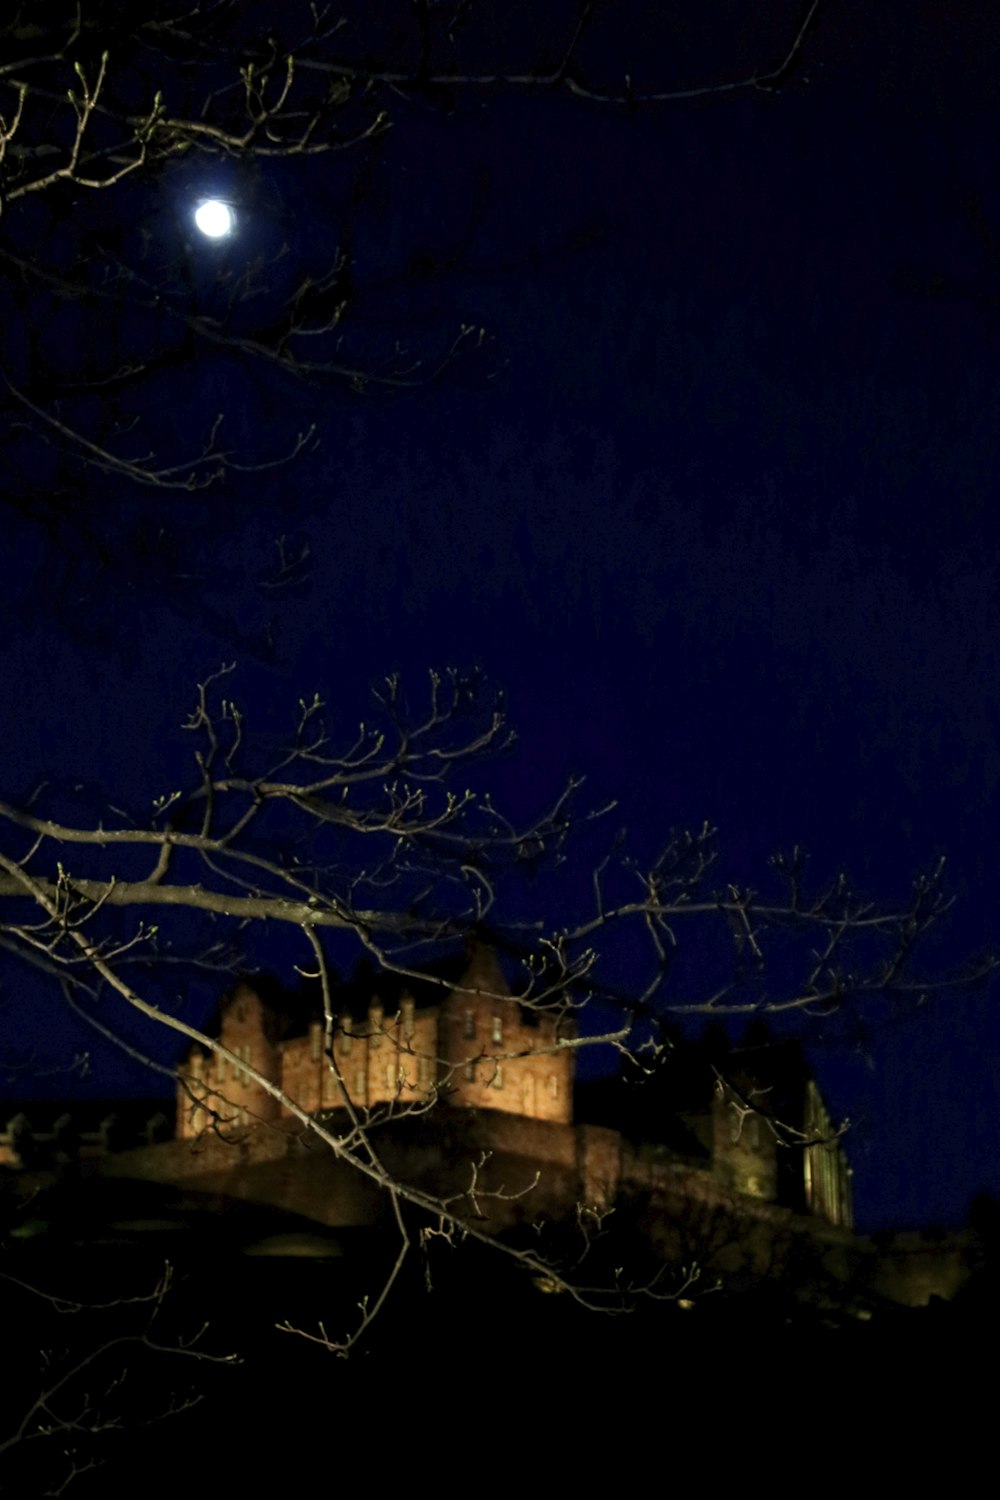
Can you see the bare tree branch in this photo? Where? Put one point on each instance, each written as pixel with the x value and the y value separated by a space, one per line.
pixel 368 841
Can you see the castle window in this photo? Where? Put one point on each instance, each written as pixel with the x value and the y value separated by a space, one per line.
pixel 497 1079
pixel 391 1078
pixel 497 1029
pixel 375 1016
pixel 553 1086
pixel 315 1043
pixel 470 1024
pixel 470 1072
pixel 423 1072
pixel 408 1023
pixel 359 1084
pixel 345 1035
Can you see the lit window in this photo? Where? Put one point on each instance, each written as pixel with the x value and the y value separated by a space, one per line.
pixel 470 1024
pixel 497 1029
pixel 408 1023
pixel 391 1079
pixel 359 1084
pixel 345 1034
pixel 553 1086
pixel 423 1072
pixel 497 1079
pixel 470 1072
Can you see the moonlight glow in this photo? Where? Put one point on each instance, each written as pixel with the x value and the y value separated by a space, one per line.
pixel 214 218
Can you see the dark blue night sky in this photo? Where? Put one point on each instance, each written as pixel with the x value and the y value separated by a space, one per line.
pixel 714 502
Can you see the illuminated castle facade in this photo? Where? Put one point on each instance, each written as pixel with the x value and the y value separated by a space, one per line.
pixel 455 1038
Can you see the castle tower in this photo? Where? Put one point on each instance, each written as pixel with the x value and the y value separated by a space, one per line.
pixel 220 1090
pixel 499 1054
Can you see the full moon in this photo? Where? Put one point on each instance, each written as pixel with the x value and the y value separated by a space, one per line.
pixel 214 218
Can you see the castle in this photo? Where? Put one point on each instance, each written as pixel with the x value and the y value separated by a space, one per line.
pixel 453 1068
pixel 454 1035
pixel 470 1096
pixel 449 1064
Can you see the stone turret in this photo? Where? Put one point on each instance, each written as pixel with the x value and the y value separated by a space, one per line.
pixel 222 1089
